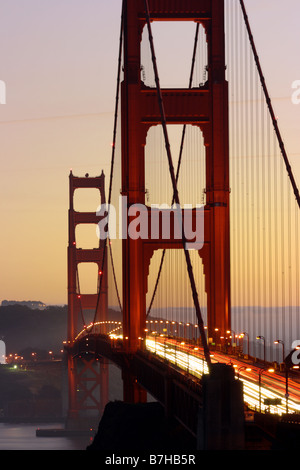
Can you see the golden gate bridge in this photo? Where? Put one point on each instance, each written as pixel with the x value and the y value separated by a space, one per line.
pixel 183 309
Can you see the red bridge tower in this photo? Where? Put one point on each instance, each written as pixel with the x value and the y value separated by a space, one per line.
pixel 205 107
pixel 85 373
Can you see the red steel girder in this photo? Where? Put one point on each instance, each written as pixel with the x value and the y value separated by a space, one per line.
pixel 182 106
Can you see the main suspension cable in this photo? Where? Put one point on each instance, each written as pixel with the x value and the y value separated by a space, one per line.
pixel 112 172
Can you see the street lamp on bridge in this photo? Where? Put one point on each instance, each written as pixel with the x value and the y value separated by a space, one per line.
pixel 263 339
pixel 232 333
pixel 246 334
pixel 261 371
pixel 246 368
pixel 279 341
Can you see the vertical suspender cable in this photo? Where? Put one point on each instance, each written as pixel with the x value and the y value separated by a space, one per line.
pixel 269 103
pixel 275 235
pixel 175 191
pixel 178 165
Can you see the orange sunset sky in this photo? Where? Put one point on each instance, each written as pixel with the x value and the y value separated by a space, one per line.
pixel 58 60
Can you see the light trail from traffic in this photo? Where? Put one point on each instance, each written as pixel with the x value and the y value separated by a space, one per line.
pixel 258 384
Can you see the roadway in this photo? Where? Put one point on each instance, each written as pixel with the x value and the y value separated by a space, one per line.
pixel 258 383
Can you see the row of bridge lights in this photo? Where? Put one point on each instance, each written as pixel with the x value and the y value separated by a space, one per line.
pixel 261 338
pixel 167 322
pixel 233 335
pixel 117 326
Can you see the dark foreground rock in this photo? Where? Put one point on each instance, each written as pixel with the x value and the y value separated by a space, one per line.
pixel 140 426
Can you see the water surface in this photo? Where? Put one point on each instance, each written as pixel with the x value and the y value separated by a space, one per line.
pixel 23 437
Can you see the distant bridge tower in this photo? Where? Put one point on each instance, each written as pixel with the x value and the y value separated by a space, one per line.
pixel 87 376
pixel 205 107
